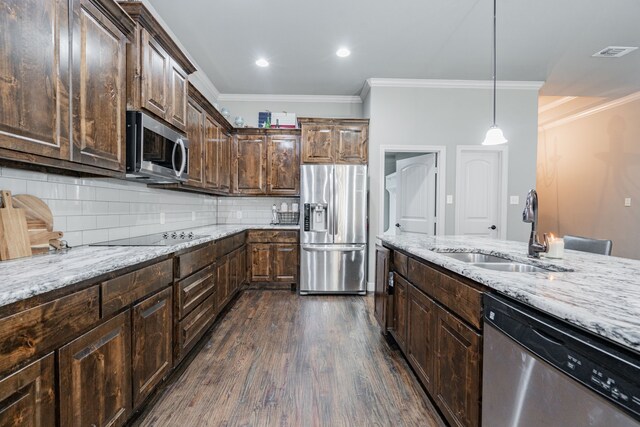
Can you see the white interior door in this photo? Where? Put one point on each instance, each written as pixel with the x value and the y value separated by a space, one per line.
pixel 416 179
pixel 479 188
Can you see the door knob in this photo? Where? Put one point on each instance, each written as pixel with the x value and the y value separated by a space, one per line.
pixel 493 227
pixel 398 224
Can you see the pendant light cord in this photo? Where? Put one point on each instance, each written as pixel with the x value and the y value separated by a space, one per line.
pixel 494 62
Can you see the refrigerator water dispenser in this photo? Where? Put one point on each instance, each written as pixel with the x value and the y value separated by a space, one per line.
pixel 316 217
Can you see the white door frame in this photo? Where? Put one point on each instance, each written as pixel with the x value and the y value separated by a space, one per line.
pixel 441 156
pixel 504 172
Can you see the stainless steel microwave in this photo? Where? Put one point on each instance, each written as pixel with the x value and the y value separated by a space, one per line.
pixel 155 152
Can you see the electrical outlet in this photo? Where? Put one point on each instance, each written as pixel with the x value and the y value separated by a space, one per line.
pixel 162 219
pixel 627 201
pixel 449 199
pixel 193 216
pixel 238 214
pixel 514 200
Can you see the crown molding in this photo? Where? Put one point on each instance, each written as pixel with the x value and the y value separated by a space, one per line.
pixel 335 99
pixel 447 84
pixel 556 103
pixel 591 111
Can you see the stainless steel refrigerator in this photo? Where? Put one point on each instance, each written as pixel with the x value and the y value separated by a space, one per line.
pixel 333 231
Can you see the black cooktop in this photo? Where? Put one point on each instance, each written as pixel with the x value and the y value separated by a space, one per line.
pixel 160 239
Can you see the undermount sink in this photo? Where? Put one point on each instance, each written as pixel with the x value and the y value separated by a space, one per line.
pixel 513 267
pixel 475 257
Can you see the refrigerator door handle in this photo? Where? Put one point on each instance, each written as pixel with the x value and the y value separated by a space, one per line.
pixel 334 248
pixel 335 202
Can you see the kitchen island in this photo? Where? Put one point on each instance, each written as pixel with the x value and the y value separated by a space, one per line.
pixel 431 291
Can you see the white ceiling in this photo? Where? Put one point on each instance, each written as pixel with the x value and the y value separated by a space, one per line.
pixel 538 40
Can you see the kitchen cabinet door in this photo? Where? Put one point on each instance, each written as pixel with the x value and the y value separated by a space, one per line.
pixel 380 299
pixel 155 69
pixel 211 150
pixel 99 89
pixel 242 266
pixel 233 272
pixel 177 101
pixel 400 294
pixel 285 263
pixel 351 144
pixel 224 161
pixel 317 143
pixel 249 164
pixel 222 286
pixel 457 370
pixel 195 134
pixel 421 335
pixel 284 165
pixel 260 262
pixel 95 375
pixel 35 70
pixel 28 397
pixel 152 343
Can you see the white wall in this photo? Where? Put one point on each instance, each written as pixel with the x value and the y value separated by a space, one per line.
pixel 587 166
pixel 249 109
pixel 452 117
pixel 90 210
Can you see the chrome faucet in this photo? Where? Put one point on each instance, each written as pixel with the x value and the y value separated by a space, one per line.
pixel 530 215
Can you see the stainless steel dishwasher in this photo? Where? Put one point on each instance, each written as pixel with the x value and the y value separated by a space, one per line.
pixel 541 371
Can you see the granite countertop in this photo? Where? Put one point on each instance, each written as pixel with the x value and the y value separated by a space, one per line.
pixel 27 277
pixel 601 294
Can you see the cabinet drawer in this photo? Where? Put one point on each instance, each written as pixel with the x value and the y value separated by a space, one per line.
pixel 124 290
pixel 400 263
pixel 462 299
pixel 273 236
pixel 229 244
pixel 193 261
pixel 28 397
pixel 46 327
pixel 195 289
pixel 195 324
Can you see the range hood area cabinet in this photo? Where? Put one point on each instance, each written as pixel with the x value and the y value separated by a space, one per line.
pixel 339 141
pixel 157 70
pixel 266 162
pixel 64 84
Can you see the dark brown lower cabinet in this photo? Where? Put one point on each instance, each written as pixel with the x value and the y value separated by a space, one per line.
pixel 222 287
pixel 152 343
pixel 27 397
pixel 195 324
pixel 458 371
pixel 260 262
pixel 421 335
pixel 285 263
pixel 95 375
pixel 399 324
pixel 380 309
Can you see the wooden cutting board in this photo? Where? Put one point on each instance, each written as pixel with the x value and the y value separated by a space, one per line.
pixel 39 222
pixel 14 234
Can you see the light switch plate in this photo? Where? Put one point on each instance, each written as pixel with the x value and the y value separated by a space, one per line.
pixel 449 199
pixel 162 219
pixel 238 214
pixel 627 201
pixel 514 200
pixel 193 216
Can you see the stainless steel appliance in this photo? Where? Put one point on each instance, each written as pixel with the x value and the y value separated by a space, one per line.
pixel 160 239
pixel 333 235
pixel 155 152
pixel 540 371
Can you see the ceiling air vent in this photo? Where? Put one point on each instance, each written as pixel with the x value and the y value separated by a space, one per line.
pixel 614 52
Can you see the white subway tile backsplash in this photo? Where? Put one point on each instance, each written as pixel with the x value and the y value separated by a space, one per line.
pixel 16 186
pixel 116 208
pixel 90 207
pixel 47 190
pixel 81 223
pixel 94 236
pixel 255 210
pixel 24 174
pixel 107 221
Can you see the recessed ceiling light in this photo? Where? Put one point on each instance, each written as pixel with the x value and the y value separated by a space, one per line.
pixel 343 52
pixel 262 62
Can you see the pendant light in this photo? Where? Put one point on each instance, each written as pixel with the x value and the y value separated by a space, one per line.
pixel 494 134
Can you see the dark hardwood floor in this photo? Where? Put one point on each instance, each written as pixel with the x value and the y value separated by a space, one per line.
pixel 279 359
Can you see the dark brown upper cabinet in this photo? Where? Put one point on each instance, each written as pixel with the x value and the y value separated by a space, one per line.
pixel 335 140
pixel 196 136
pixel 64 70
pixel 249 162
pixel 266 162
pixel 224 161
pixel 211 148
pixel 283 162
pixel 157 70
